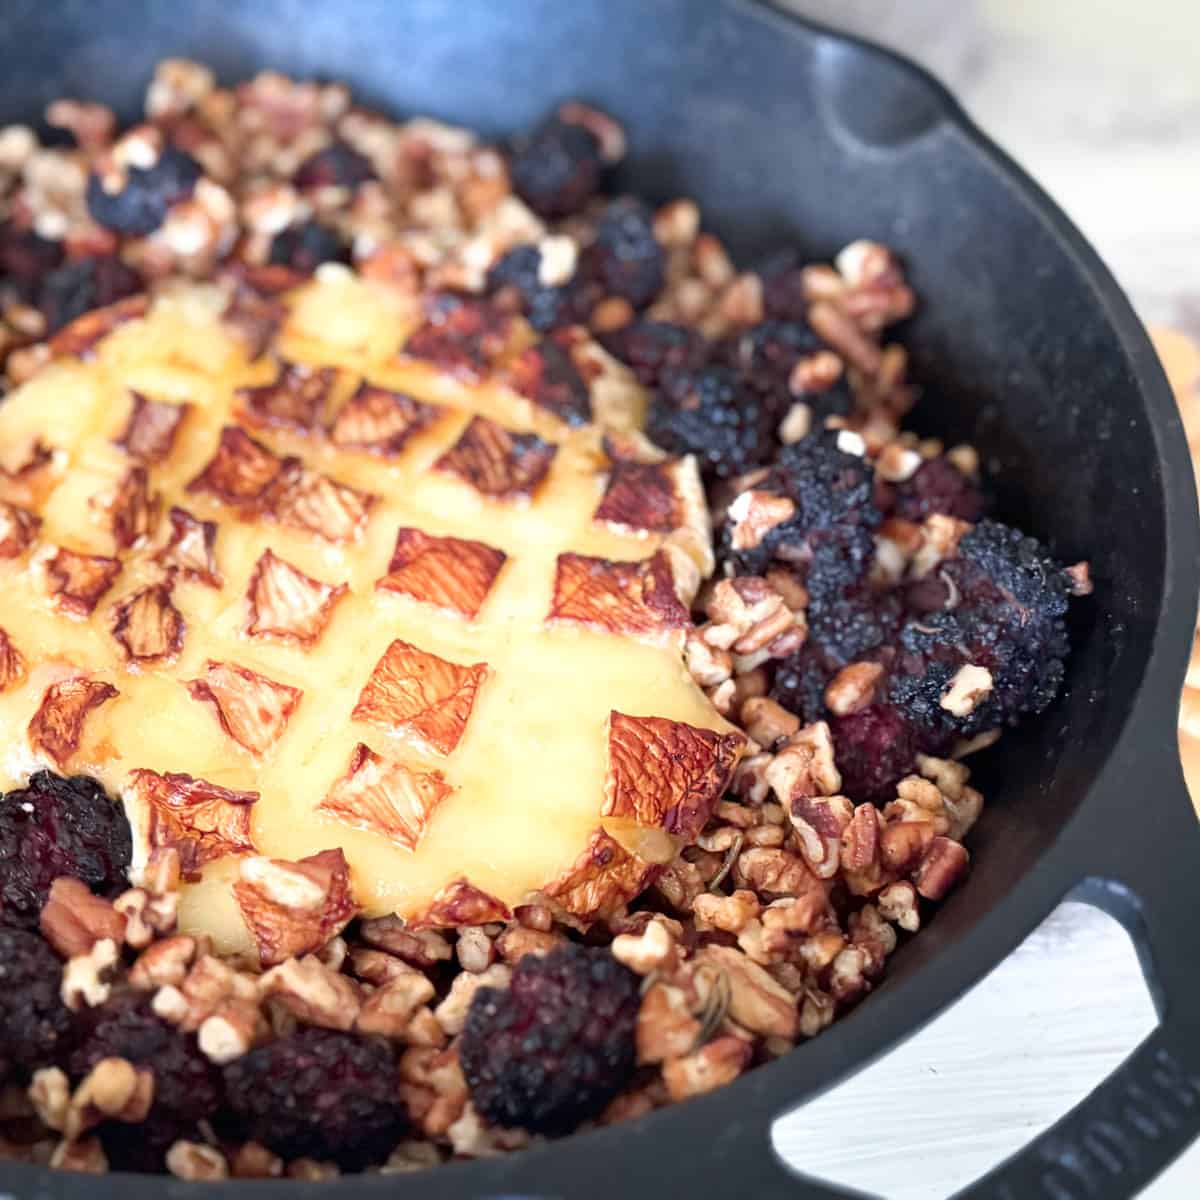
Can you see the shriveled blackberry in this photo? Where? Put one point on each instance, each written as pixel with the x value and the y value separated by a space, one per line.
pixel 765 356
pixel 625 259
pixel 77 287
pixel 35 1025
pixel 556 169
pixel 140 207
pixel 25 258
pixel 847 626
pixel 799 683
pixel 545 307
pixel 711 413
pixel 305 247
pixel 555 1047
pixel 938 486
pixel 874 749
pixel 187 1087
pixel 649 348
pixel 319 1094
pixel 54 827
pixel 337 165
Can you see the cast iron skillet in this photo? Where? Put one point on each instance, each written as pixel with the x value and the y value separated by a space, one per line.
pixel 784 132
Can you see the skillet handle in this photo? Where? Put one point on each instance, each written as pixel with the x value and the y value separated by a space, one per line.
pixel 1147 1112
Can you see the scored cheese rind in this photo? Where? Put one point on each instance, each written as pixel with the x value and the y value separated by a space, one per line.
pixel 284 576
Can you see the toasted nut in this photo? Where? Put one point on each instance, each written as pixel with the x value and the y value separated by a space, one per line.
pixel 767 721
pixel 314 993
pixel 387 1010
pixel 756 1001
pixel 942 865
pixel 255 1161
pixel 164 962
pixel 853 688
pixel 73 920
pixel 85 977
pixel 474 949
pixel 898 903
pixel 654 950
pixel 712 1066
pixel 451 1014
pixel 231 1031
pixel 969 686
pixel 666 1026
pixel 50 1094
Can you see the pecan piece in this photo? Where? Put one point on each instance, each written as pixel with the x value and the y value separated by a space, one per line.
pixel 239 471
pixel 287 604
pixel 131 509
pixel 191 548
pixel 252 709
pixel 73 920
pixel 462 903
pixel 414 692
pixel 295 400
pixel 12 664
pixel 200 820
pixel 314 503
pixel 380 422
pixel 77 581
pixel 637 599
pixel 148 626
pixel 942 865
pixel 386 797
pixel 666 773
pixel 294 908
pixel 18 528
pixel 546 374
pixel 451 573
pixel 461 335
pixel 642 496
pixel 151 429
pixel 497 462
pixel 603 878
pixel 56 727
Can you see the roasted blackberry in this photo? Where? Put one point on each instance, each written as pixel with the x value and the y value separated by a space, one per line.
pixel 140 207
pixel 711 413
pixel 337 165
pixel 34 1023
pixel 321 1094
pixel 555 1047
pixel 938 486
pixel 305 247
pixel 55 827
pixel 625 259
pixel 78 287
pixel 187 1087
pixel 874 749
pixel 648 348
pixel 556 169
pixel 545 307
pixel 25 258
pixel 799 683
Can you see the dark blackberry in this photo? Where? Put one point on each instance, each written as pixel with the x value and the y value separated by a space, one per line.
pixel 321 1094
pixel 305 247
pixel 554 1048
pixel 874 749
pixel 544 307
pixel 799 683
pixel 938 486
pixel 845 627
pixel 337 165
pixel 625 259
pixel 55 827
pixel 34 1023
pixel 78 287
pixel 140 207
pixel 25 258
pixel 711 413
pixel 557 168
pixel 649 348
pixel 765 354
pixel 187 1087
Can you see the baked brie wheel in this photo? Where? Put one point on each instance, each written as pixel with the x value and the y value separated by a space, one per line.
pixel 363 605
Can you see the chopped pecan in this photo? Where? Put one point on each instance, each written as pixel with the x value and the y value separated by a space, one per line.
pixel 451 1013
pixel 381 422
pixel 546 374
pixel 462 903
pixel 230 1030
pixel 942 865
pixel 313 993
pixel 56 727
pixel 190 548
pixel 315 503
pixel 287 604
pixel 162 963
pixel 295 400
pixel 756 1001
pixel 240 470
pixel 148 626
pixel 86 978
pixel 898 903
pixel 667 1028
pixel 767 721
pixel 497 462
pixel 853 688
pixel 603 877
pixel 637 599
pixel 388 1010
pixel 642 496
pixel 450 573
pixel 773 871
pixel 252 709
pixel 200 820
pixel 197 1161
pixel 114 1089
pixel 729 913
pixel 720 1062
pixel 654 949
pixel 77 581
pixel 804 765
pixel 754 514
pixel 386 797
pixel 73 920
pixel 294 908
pixel 666 773
pixel 151 429
pixel 970 685
pixel 18 528
pixel 12 663
pixel 131 510
pixel 819 822
pixel 412 691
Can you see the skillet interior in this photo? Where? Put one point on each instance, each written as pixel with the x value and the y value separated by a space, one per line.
pixel 782 136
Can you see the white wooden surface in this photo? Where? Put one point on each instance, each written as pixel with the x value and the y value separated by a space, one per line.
pixel 1100 99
